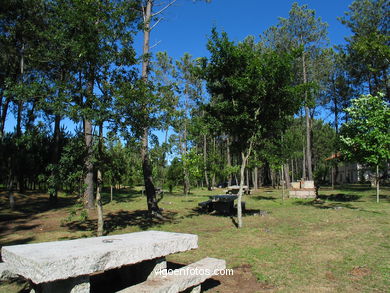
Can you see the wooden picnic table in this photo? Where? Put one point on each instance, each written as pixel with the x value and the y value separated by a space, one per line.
pixel 66 266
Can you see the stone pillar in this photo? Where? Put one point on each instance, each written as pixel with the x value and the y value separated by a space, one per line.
pixel 143 271
pixel 151 269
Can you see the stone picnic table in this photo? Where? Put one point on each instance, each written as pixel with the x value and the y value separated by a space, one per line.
pixel 222 203
pixel 234 189
pixel 66 266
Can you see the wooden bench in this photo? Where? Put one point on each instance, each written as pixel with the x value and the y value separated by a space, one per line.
pixel 66 266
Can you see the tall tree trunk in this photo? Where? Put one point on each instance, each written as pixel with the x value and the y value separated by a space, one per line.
pixel 304 164
pixel 89 176
pixel 247 177
pixel 255 178
pixel 53 189
pixel 229 160
pixel 186 185
pixel 377 183
pixel 282 181
pixel 3 116
pixel 287 175
pixel 89 179
pixel 10 185
pixel 307 116
pixel 150 190
pixel 206 176
pixel 244 159
pixel 292 170
pixel 20 167
pixel 99 205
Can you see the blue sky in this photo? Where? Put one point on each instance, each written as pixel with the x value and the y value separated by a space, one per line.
pixel 187 25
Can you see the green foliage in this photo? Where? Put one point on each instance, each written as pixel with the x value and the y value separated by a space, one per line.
pixel 175 173
pixel 252 91
pixel 71 164
pixel 366 136
pixel 194 163
pixel 368 48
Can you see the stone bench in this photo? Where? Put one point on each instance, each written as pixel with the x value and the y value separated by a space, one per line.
pixel 66 266
pixel 188 277
pixel 236 189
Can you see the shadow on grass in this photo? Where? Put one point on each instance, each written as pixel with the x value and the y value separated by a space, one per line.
pixel 123 219
pixel 120 195
pixel 29 204
pixel 17 241
pixel 324 205
pixel 340 197
pixel 198 211
pixel 262 197
pixel 10 229
pixel 23 284
pixel 382 197
pixel 319 204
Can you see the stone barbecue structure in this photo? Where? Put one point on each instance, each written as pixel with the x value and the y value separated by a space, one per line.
pixel 302 189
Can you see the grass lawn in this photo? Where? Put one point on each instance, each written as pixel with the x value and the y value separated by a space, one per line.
pixel 338 244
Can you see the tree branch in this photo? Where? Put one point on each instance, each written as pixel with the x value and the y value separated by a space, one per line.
pixel 157 22
pixel 164 8
pixel 156 44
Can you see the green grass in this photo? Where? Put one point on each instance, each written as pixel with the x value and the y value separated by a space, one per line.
pixel 338 244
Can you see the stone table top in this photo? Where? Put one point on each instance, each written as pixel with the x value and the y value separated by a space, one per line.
pixel 223 197
pixel 50 261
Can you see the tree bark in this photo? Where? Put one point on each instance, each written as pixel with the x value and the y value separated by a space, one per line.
pixel 99 205
pixel 242 177
pixel 282 181
pixel 153 208
pixel 307 116
pixel 255 178
pixel 292 170
pixel 206 176
pixel 377 183
pixel 304 164
pixel 55 158
pixel 20 168
pixel 287 175
pixel 3 116
pixel 247 177
pixel 150 190
pixel 229 160
pixel 89 176
pixel 186 185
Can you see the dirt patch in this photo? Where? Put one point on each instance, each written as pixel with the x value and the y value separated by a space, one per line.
pixel 242 281
pixel 358 273
pixel 330 276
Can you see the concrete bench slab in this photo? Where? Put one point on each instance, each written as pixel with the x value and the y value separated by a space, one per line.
pixel 180 279
pixel 57 260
